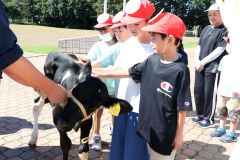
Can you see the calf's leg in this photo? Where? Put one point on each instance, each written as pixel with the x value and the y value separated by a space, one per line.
pixel 65 144
pixel 84 147
pixel 38 105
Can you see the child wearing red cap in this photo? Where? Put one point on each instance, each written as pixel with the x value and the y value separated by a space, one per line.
pixel 98 50
pixel 126 143
pixel 165 88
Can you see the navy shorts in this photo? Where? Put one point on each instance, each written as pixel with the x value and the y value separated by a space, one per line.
pixel 126 143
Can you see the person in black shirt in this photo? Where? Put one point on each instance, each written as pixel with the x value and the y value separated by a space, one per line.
pixel 210 50
pixel 19 68
pixel 165 88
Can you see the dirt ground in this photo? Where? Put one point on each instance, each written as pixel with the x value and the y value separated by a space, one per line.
pixel 48 36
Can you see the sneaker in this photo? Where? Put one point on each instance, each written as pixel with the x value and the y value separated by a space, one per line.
pixel 197 119
pixel 229 137
pixel 218 132
pixel 96 143
pixel 204 124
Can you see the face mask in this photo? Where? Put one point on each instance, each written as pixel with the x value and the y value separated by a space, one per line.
pixel 106 37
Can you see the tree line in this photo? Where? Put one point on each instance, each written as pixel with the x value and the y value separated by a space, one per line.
pixel 82 14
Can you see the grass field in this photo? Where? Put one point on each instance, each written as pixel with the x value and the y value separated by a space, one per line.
pixel 41 39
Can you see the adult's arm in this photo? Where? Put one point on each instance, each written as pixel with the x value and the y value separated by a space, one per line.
pixel 25 73
pixel 213 55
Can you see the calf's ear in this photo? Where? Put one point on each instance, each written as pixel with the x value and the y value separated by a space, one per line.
pixel 118 106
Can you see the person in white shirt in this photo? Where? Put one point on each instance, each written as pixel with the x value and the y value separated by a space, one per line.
pixel 228 96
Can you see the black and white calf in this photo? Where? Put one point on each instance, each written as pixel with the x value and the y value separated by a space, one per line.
pixel 87 94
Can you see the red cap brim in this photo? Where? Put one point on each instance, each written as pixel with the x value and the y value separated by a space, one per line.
pixel 117 25
pixel 131 20
pixel 150 28
pixel 101 25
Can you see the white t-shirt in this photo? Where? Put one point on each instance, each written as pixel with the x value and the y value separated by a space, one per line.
pixel 131 53
pixel 230 76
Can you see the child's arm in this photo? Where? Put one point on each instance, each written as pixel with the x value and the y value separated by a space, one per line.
pixel 178 140
pixel 110 72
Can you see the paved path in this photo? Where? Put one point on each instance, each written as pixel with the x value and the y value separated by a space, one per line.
pixel 16 103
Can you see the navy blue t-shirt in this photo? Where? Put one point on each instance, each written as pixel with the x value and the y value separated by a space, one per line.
pixel 9 50
pixel 210 39
pixel 165 90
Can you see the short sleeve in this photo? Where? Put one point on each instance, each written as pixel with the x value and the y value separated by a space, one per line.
pixel 92 54
pixel 9 50
pixel 135 72
pixel 184 102
pixel 221 42
pixel 110 58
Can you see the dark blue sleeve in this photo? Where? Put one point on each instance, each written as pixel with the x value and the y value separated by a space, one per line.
pixel 184 56
pixel 9 50
pixel 184 100
pixel 135 72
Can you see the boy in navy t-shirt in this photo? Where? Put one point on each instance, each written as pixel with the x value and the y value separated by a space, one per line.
pixel 165 88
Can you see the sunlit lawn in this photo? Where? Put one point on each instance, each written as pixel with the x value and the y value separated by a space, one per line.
pixel 42 39
pixel 39 49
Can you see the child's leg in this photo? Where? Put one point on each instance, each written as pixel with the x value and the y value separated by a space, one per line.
pixel 233 126
pixel 96 141
pixel 157 156
pixel 234 114
pixel 222 111
pixel 223 121
pixel 97 122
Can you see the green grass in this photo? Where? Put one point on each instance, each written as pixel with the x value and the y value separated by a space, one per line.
pixel 190 42
pixel 40 49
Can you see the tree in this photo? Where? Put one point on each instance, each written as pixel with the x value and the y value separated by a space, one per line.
pixel 191 11
pixel 83 13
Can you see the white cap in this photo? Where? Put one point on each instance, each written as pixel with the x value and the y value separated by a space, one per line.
pixel 213 7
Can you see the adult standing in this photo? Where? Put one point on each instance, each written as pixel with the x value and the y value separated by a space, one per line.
pixel 16 66
pixel 210 50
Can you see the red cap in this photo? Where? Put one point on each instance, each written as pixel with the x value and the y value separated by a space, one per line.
pixel 116 19
pixel 167 23
pixel 104 20
pixel 138 10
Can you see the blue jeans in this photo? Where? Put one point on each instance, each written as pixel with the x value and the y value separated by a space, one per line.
pixel 126 143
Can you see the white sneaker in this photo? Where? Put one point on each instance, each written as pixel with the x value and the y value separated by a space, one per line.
pixel 96 143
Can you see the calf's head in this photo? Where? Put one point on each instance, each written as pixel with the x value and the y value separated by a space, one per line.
pixel 63 69
pixel 92 93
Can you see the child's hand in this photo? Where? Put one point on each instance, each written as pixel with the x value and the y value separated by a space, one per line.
pixel 178 141
pixel 235 94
